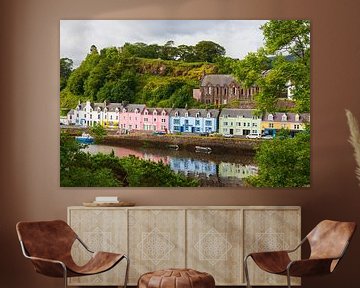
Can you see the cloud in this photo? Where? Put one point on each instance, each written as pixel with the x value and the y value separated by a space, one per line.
pixel 238 37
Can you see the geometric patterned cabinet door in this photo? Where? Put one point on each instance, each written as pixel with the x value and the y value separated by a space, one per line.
pixel 270 230
pixel 214 241
pixel 101 230
pixel 209 239
pixel 156 240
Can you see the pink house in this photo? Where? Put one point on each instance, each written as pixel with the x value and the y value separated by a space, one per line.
pixel 130 117
pixel 155 119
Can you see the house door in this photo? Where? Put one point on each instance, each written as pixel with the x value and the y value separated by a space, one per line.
pixel 231 131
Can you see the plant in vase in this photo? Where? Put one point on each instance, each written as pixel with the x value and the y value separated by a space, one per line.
pixel 354 139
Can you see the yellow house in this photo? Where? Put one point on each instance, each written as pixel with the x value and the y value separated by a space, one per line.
pixel 294 122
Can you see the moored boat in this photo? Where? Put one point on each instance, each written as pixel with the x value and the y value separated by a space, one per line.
pixel 85 138
pixel 203 149
pixel 174 147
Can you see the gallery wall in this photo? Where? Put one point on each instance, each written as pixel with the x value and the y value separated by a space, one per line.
pixel 29 32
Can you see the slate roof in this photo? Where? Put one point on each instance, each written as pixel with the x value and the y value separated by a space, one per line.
pixel 71 112
pixel 214 113
pixel 112 106
pixel 246 113
pixel 218 79
pixel 132 107
pixel 159 110
pixel 304 117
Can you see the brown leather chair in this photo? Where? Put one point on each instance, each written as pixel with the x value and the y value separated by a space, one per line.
pixel 48 245
pixel 328 242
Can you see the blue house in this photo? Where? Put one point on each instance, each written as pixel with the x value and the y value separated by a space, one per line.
pixel 193 120
pixel 189 166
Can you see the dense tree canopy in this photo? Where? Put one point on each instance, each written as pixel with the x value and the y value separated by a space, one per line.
pixel 283 162
pixel 139 73
pixel 81 169
pixel 284 60
pixel 66 67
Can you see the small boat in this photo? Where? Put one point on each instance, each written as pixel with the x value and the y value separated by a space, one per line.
pixel 203 149
pixel 174 147
pixel 85 138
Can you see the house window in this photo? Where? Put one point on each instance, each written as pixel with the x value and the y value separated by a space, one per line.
pixel 238 123
pixel 225 123
pixel 176 114
pixel 271 125
pixel 297 117
pixel 163 120
pixel 110 117
pixel 146 113
pixel 186 114
pixel 208 123
pixel 248 124
pixel 186 122
pixel 208 115
pixel 197 122
pixel 117 117
pixel 197 115
pixel 90 116
pixel 210 89
pixel 296 126
pixel 155 113
pixel 145 119
pixel 283 117
pixel 176 121
pixel 254 124
pixel 271 117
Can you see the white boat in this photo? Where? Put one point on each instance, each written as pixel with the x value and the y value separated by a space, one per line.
pixel 203 149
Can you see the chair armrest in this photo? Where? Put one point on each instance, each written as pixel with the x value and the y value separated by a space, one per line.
pixel 84 245
pixel 309 267
pixel 49 267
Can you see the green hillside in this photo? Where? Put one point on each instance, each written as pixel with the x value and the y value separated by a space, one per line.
pixel 114 76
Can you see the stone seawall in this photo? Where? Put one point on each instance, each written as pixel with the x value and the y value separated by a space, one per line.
pixel 218 144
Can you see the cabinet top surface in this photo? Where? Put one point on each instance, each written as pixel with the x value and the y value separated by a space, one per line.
pixel 192 207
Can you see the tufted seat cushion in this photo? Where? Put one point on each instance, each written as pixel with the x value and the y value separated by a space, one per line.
pixel 176 278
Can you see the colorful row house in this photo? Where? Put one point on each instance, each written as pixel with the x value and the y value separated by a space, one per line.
pixel 156 119
pixel 131 118
pixel 194 120
pixel 90 114
pixel 239 122
pixel 294 122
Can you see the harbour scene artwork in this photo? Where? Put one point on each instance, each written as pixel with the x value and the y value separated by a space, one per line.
pixel 185 103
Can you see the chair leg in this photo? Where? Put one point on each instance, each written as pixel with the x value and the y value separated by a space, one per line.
pixel 288 278
pixel 246 270
pixel 65 276
pixel 127 271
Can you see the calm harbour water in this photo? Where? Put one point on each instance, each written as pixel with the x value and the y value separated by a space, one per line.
pixel 216 170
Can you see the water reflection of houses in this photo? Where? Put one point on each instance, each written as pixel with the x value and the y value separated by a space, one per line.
pixel 189 166
pixel 156 158
pixel 235 170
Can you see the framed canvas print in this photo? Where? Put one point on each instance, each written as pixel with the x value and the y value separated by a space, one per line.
pixel 184 103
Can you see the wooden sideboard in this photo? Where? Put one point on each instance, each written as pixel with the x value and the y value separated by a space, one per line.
pixel 211 239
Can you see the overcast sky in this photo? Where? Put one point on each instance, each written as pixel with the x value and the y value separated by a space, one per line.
pixel 238 37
